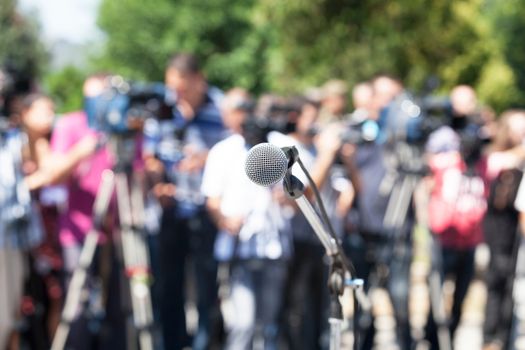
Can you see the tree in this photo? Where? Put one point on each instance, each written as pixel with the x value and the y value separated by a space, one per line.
pixel 503 80
pixel 141 36
pixel 287 46
pixel 65 87
pixel 354 40
pixel 21 52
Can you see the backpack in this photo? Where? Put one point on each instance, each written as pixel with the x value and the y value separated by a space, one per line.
pixel 458 201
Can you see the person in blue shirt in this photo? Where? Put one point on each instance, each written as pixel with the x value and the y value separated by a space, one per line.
pixel 175 154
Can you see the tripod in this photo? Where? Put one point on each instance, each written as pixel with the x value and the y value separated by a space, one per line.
pixel 409 169
pixel 134 251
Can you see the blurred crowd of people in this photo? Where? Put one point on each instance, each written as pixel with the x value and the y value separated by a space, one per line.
pixel 385 161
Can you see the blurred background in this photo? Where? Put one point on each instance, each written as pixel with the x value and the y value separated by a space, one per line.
pixel 273 45
pixel 287 47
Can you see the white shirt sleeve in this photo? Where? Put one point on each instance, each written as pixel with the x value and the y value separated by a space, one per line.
pixel 212 179
pixel 519 203
pixel 281 140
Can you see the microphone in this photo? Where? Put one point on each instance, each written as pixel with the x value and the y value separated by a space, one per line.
pixel 266 164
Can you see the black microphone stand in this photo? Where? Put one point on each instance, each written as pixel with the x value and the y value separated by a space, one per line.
pixel 341 271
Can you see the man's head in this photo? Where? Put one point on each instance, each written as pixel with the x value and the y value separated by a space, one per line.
pixel 510 131
pixel 307 118
pixel 334 96
pixel 235 108
pixel 463 100
pixel 362 95
pixel 95 84
pixel 363 101
pixel 385 89
pixel 184 77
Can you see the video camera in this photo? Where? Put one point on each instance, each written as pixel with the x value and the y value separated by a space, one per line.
pixel 270 113
pixel 123 106
pixel 411 120
pixel 359 129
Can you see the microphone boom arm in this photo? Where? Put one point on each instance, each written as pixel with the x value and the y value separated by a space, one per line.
pixel 267 164
pixel 295 190
pixel 340 265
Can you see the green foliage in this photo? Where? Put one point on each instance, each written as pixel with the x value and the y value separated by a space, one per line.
pixel 65 87
pixel 357 39
pixel 497 86
pixel 509 27
pixel 20 48
pixel 141 36
pixel 287 46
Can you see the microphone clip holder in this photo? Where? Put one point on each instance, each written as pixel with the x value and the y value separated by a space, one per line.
pixel 292 154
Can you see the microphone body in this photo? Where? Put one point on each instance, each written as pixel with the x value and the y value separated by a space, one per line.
pixel 267 164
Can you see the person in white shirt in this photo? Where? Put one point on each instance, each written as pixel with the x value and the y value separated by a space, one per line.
pixel 306 304
pixel 253 234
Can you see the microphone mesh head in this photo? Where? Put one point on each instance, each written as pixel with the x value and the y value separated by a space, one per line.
pixel 266 164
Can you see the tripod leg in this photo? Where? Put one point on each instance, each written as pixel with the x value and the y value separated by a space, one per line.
pixel 399 202
pixel 144 309
pixel 86 257
pixel 136 259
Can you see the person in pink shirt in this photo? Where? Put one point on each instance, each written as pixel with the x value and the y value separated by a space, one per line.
pixel 77 160
pixel 82 180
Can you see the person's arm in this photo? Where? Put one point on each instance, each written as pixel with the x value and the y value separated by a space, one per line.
pixel 56 168
pixel 522 223
pixel 42 150
pixel 195 151
pixel 194 160
pixel 519 204
pixel 232 225
pixel 347 153
pixel 345 200
pixel 213 184
pixel 327 144
pixel 163 191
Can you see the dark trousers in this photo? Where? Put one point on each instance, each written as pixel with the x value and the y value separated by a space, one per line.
pixel 383 262
pixel 180 239
pixel 306 298
pixel 457 264
pixel 499 279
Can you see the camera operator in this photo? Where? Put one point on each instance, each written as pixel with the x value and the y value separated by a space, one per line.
pixel 457 202
pixel 363 101
pixel 307 293
pixel 253 237
pixel 333 101
pixel 77 161
pixel 43 285
pixel 382 255
pixel 175 153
